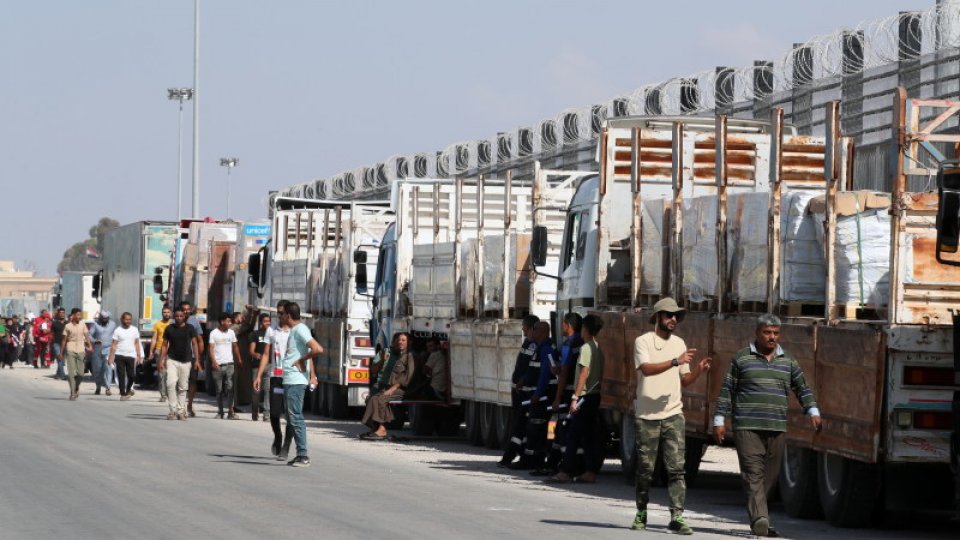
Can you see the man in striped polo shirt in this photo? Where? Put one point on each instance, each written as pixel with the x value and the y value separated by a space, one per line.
pixel 756 391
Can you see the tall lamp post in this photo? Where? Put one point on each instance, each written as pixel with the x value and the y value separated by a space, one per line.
pixel 181 95
pixel 229 163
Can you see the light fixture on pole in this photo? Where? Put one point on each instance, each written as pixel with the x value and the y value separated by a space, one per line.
pixel 229 163
pixel 181 95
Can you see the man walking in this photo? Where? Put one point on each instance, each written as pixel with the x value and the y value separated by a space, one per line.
pixel 76 342
pixel 59 321
pixel 259 352
pixel 124 352
pixel 223 353
pixel 301 349
pixel 156 347
pixel 175 360
pixel 756 391
pixel 663 363
pixel 271 365
pixel 102 336
pixel 198 360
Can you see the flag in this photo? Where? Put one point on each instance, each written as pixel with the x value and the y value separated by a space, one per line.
pixel 92 253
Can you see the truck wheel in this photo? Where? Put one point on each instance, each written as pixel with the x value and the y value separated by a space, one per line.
pixel 422 420
pixel 628 447
pixel 798 483
pixel 504 421
pixel 449 420
pixel 848 490
pixel 488 425
pixel 693 455
pixel 472 413
pixel 337 402
pixel 321 404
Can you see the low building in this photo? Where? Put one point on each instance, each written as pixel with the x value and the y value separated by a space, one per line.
pixel 22 292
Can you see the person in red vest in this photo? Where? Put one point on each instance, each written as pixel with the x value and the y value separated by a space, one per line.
pixel 42 336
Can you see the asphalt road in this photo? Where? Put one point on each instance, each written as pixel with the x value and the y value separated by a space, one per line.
pixel 100 468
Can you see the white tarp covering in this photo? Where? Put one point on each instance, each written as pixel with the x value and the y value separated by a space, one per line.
pixel 652 244
pixel 747 217
pixel 803 274
pixel 700 247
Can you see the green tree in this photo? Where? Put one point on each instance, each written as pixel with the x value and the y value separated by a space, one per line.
pixel 75 258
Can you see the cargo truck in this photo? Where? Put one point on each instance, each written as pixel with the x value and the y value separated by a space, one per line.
pixel 75 290
pixel 320 256
pixel 132 255
pixel 867 308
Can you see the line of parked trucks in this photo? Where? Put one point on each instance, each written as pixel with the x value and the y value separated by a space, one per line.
pixel 730 217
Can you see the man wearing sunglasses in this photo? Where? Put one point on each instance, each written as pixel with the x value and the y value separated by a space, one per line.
pixel 663 367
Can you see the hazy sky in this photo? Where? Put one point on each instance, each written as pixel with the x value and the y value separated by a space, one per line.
pixel 302 89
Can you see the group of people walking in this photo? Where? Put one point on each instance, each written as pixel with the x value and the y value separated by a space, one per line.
pixel 755 393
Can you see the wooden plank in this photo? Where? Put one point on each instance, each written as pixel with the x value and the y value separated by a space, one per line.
pixel 676 215
pixel 773 222
pixel 721 169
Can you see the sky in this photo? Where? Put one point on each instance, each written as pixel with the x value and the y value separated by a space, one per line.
pixel 303 89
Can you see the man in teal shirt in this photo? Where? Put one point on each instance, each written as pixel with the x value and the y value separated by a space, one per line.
pixel 297 373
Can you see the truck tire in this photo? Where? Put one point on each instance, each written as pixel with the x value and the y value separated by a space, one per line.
pixel 337 402
pixel 449 420
pixel 488 425
pixel 848 490
pixel 693 456
pixel 504 421
pixel 321 403
pixel 422 420
pixel 798 483
pixel 472 414
pixel 628 447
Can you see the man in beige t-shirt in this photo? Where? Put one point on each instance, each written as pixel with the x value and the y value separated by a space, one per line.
pixel 76 343
pixel 663 363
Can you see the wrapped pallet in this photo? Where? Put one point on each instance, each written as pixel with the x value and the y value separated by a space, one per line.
pixel 802 268
pixel 700 248
pixel 517 266
pixel 653 244
pixel 862 252
pixel 747 228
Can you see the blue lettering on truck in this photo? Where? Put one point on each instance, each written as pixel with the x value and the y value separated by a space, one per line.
pixel 256 230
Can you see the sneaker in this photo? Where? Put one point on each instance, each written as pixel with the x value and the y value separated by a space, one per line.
pixel 73 397
pixel 130 393
pixel 299 461
pixel 191 414
pixel 678 525
pixel 171 416
pixel 220 415
pixel 640 521
pixel 232 416
pixel 108 392
pixel 504 463
pixel 182 417
pixel 275 448
pixel 97 393
pixel 761 527
pixel 284 452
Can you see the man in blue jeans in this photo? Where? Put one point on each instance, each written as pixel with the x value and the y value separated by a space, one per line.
pixel 301 348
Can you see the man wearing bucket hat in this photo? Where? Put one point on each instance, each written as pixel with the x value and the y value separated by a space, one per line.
pixel 663 363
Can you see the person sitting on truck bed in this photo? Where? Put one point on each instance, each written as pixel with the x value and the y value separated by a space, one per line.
pixel 435 369
pixel 394 378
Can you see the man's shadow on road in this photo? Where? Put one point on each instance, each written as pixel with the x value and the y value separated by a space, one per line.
pixel 656 529
pixel 247 460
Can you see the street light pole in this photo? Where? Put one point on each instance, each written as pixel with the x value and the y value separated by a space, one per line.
pixel 229 163
pixel 196 109
pixel 181 95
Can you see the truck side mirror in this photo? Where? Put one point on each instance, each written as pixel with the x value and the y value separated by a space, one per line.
pixel 253 270
pixel 538 246
pixel 158 283
pixel 97 282
pixel 360 260
pixel 57 301
pixel 948 211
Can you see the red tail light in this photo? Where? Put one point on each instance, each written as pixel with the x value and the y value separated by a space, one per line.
pixel 361 342
pixel 928 376
pixel 933 420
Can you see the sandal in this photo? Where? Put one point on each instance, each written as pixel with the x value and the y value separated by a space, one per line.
pixel 559 478
pixel 372 436
pixel 584 479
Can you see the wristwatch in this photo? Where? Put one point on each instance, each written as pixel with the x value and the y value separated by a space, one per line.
pixel 674 362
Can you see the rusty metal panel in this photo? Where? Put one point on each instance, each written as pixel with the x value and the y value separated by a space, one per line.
pixel 616 389
pixel 928 289
pixel 729 336
pixel 800 341
pixel 849 390
pixel 696 330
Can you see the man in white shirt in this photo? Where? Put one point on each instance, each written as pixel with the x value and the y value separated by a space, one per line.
pixel 123 352
pixel 224 351
pixel 271 367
